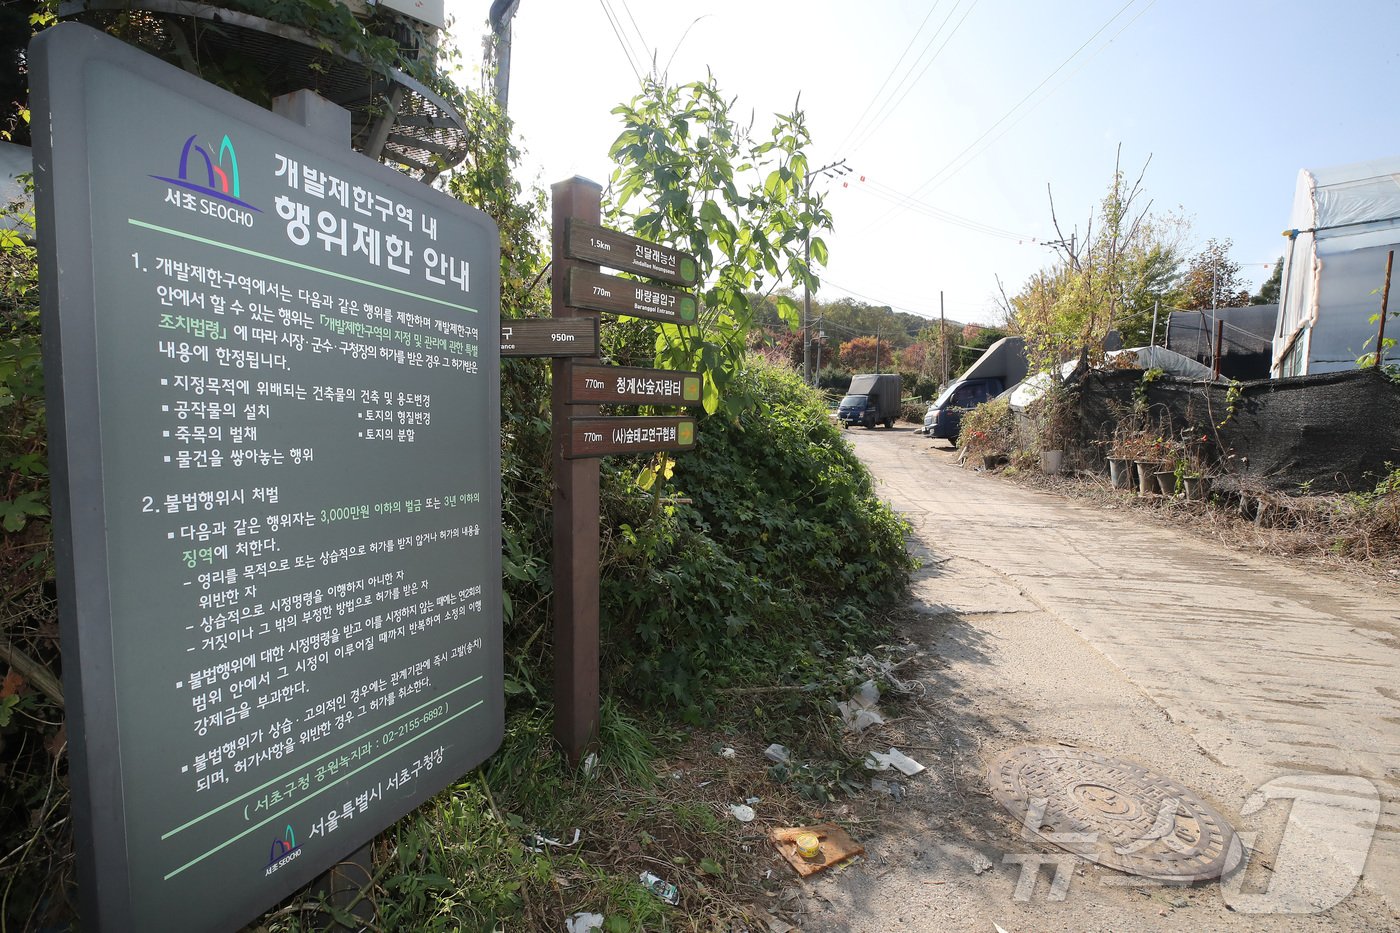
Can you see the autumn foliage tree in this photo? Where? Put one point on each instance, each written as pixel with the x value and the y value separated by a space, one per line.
pixel 866 354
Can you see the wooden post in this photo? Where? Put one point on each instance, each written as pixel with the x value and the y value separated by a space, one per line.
pixel 576 510
pixel 942 339
pixel 806 315
pixel 1385 304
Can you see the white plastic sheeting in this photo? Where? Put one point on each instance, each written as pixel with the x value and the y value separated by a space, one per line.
pixel 1344 220
pixel 1168 361
pixel 14 161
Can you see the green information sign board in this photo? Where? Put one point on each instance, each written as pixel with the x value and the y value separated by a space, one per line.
pixel 273 375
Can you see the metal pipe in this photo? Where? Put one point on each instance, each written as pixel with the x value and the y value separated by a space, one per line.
pixel 1219 336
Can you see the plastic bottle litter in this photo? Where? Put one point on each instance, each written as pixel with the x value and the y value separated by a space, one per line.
pixel 663 889
pixel 742 812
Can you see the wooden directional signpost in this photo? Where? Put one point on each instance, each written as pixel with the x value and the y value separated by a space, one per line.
pixel 581 435
pixel 549 337
pixel 599 292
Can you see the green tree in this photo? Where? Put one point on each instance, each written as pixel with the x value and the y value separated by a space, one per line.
pixel 1269 291
pixel 1111 280
pixel 1212 279
pixel 688 175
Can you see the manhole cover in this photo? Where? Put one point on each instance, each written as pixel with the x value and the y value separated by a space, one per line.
pixel 1115 813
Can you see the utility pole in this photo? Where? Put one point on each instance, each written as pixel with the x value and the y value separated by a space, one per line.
pixel 821 336
pixel 942 338
pixel 502 11
pixel 806 313
pixel 836 168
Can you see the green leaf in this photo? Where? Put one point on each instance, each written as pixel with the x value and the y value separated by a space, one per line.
pixel 819 254
pixel 709 396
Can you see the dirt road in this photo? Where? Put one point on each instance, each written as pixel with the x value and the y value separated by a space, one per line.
pixel 1063 624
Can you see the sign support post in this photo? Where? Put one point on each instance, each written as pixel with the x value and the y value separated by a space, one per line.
pixel 576 505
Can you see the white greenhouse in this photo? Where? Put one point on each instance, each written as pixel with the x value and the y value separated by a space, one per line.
pixel 1345 219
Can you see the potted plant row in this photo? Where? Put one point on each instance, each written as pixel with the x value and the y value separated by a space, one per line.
pixel 1159 465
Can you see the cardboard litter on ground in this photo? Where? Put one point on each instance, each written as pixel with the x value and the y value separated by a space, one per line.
pixel 836 847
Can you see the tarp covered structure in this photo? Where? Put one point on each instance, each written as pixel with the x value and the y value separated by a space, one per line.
pixel 1344 220
pixel 1004 360
pixel 1246 338
pixel 1168 361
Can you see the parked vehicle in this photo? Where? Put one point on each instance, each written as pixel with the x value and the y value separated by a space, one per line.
pixel 872 399
pixel 944 417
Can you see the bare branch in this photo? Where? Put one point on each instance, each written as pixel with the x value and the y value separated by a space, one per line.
pixel 1070 252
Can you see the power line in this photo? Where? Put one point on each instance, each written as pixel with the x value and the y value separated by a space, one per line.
pixel 930 181
pixel 876 96
pixel 626 49
pixel 1067 78
pixel 899 198
pixel 638 31
pixel 881 121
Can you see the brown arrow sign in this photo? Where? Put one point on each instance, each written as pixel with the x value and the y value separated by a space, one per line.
pixel 550 336
pixel 592 243
pixel 599 437
pixel 598 291
pixel 621 385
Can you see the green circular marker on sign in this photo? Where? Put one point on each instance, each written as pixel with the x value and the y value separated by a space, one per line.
pixel 690 389
pixel 687 309
pixel 685 433
pixel 687 269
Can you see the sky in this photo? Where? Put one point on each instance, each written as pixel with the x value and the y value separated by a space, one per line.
pixel 955 115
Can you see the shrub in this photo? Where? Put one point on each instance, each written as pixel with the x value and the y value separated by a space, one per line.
pixel 989 428
pixel 783 553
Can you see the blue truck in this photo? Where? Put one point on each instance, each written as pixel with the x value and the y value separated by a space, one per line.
pixel 1000 366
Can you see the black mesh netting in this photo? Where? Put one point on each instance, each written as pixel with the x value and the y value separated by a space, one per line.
pixel 1328 433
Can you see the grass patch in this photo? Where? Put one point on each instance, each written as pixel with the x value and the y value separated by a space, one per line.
pixel 656 801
